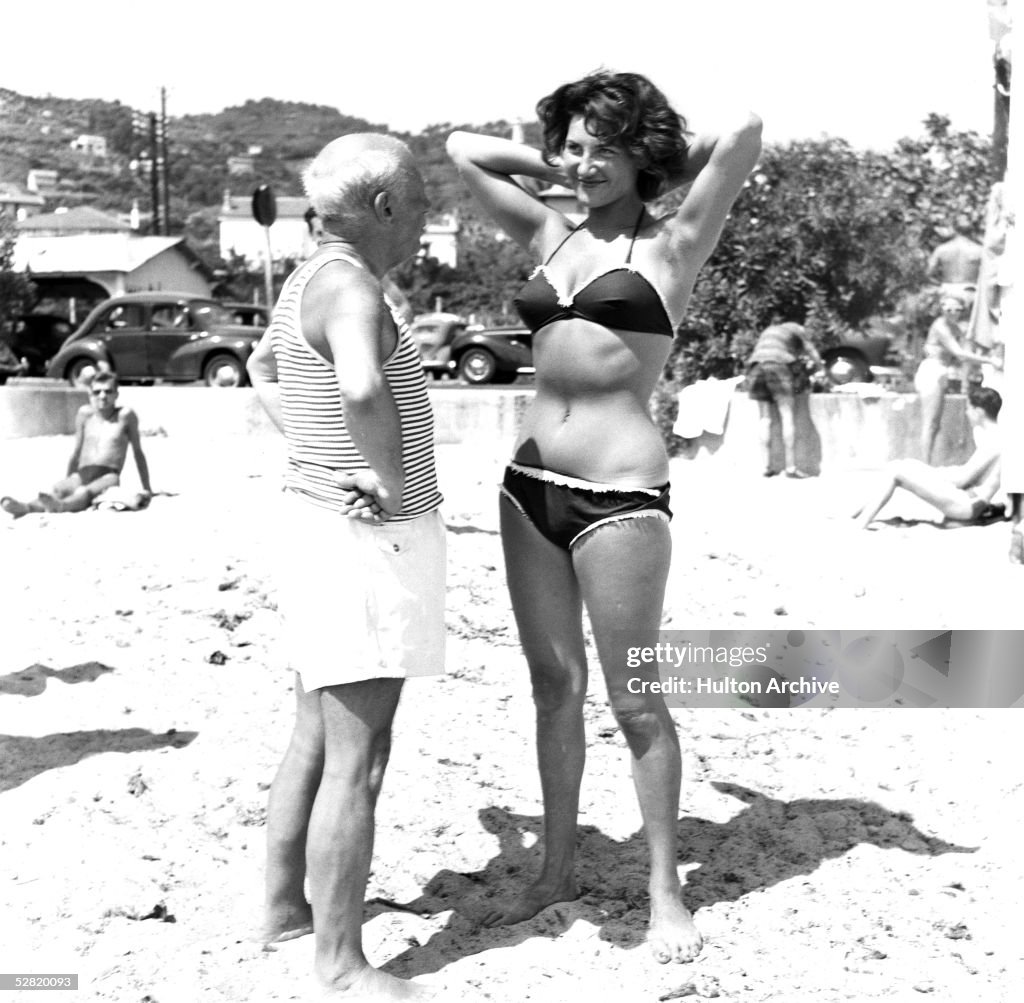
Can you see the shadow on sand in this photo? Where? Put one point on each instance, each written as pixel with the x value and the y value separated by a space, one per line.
pixel 767 842
pixel 24 757
pixel 31 682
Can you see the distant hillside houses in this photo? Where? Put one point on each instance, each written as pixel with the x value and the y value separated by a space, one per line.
pixel 94 146
pixel 290 237
pixel 18 204
pixel 41 181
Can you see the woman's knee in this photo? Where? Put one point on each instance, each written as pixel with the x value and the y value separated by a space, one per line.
pixel 643 724
pixel 557 687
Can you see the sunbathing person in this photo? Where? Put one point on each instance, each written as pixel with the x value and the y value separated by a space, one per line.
pixel 962 492
pixel 103 433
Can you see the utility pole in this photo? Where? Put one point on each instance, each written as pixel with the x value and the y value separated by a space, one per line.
pixel 154 174
pixel 164 165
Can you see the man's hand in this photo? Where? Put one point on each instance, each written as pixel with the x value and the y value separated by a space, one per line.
pixel 364 497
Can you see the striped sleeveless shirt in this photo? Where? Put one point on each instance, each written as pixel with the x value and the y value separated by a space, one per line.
pixel 318 441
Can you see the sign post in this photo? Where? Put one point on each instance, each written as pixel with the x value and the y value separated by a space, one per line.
pixel 264 211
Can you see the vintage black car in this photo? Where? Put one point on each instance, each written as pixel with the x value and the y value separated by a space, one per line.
pixel 166 336
pixel 476 354
pixel 37 338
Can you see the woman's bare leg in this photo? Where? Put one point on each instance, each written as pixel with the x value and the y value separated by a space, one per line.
pixel 932 393
pixel 548 611
pixel 622 568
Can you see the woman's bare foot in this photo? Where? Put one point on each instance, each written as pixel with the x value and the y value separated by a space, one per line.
pixel 672 935
pixel 286 923
pixel 530 902
pixel 372 985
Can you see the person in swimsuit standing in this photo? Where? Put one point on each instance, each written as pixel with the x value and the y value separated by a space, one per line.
pixel 585 501
pixel 941 348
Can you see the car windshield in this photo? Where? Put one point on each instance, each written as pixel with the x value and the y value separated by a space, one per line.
pixel 206 313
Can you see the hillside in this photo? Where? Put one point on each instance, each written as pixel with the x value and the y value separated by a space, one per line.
pixel 280 136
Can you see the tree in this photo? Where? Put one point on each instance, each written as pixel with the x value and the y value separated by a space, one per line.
pixel 830 237
pixel 17 291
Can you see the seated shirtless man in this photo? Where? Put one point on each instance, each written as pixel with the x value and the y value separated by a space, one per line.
pixel 960 492
pixel 103 433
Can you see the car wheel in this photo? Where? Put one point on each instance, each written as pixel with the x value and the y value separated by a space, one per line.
pixel 80 371
pixel 477 365
pixel 848 367
pixel 224 371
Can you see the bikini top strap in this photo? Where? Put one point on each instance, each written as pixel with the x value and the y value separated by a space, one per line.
pixel 636 230
pixel 563 241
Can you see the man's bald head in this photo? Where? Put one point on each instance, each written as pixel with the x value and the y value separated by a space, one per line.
pixel 348 174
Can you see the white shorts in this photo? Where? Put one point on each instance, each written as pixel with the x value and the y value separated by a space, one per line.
pixel 357 600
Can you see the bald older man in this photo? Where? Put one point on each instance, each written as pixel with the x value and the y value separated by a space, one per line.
pixel 361 588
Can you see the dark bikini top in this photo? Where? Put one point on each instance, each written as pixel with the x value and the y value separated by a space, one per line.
pixel 620 298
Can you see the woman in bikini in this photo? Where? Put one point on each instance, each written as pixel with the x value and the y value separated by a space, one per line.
pixel 585 501
pixel 941 349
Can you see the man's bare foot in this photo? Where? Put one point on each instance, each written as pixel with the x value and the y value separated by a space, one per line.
pixel 287 923
pixel 372 985
pixel 48 503
pixel 14 507
pixel 530 902
pixel 672 935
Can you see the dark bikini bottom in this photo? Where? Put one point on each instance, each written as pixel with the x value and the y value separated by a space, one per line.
pixel 564 509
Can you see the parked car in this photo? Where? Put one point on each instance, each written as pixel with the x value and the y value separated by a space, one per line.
pixel 492 354
pixel 433 334
pixel 37 338
pixel 143 337
pixel 865 355
pixel 249 314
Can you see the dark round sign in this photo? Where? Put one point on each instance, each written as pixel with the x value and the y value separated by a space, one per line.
pixel 264 205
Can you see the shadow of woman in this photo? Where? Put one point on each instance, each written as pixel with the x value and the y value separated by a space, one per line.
pixel 767 842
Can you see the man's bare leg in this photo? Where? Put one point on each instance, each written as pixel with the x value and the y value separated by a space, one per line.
pixel 357 721
pixel 764 434
pixel 548 609
pixel 787 419
pixel 623 568
pixel 18 508
pixel 287 913
pixel 930 484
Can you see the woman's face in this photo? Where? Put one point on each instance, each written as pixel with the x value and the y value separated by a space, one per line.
pixel 599 171
pixel 951 308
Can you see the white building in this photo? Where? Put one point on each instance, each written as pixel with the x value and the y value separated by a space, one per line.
pixel 95 146
pixel 289 235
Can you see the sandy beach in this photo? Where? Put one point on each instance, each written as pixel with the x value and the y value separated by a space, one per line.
pixel 829 855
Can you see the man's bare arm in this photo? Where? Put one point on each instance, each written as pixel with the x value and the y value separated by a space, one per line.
pixel 971 472
pixel 76 452
pixel 131 427
pixel 262 369
pixel 360 334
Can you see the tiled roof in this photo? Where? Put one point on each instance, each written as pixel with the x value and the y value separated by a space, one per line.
pixel 82 219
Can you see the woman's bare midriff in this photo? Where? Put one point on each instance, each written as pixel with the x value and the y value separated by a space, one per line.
pixel 590 417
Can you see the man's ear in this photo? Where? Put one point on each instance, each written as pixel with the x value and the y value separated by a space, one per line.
pixel 382 207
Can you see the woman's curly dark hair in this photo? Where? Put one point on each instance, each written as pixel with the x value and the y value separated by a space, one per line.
pixel 625 108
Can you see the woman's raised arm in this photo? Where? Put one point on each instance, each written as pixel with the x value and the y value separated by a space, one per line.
pixel 489 165
pixel 717 164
